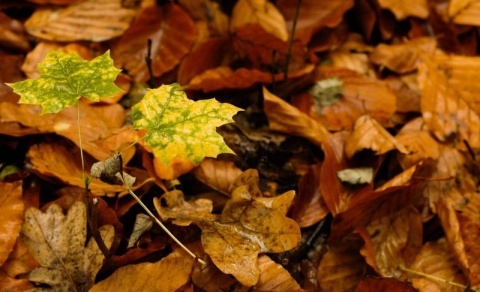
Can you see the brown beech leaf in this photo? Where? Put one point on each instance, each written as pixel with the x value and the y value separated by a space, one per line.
pixel 217 174
pixel 273 277
pixel 464 12
pixel 390 237
pixel 461 233
pixel 261 12
pixel 313 15
pixel 11 217
pixel 369 134
pixel 13 34
pixel 285 118
pixel 210 278
pixel 248 226
pixel 404 9
pixel 342 267
pixel 358 95
pixel 403 58
pixel 20 261
pixel 172 205
pixel 435 259
pixel 91 20
pixel 449 102
pixel 162 25
pixel 169 274
pixel 419 143
pixel 210 12
pixel 369 284
pixel 9 283
pixel 58 243
pixel 309 207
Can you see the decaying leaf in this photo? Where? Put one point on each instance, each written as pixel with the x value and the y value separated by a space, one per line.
pixel 11 215
pixel 143 223
pixel 111 171
pixel 93 20
pixel 181 127
pixel 64 78
pixel 168 274
pixel 57 242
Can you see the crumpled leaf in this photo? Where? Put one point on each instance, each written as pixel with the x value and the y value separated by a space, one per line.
pixel 369 134
pixel 173 205
pixel 168 274
pixel 247 227
pixel 178 126
pixel 262 12
pixel 435 259
pixel 404 9
pixel 143 223
pixel 273 277
pixel 64 78
pixel 11 216
pixel 92 20
pixel 58 243
pixel 111 171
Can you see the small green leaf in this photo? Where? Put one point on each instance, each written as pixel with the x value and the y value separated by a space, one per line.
pixel 178 126
pixel 64 78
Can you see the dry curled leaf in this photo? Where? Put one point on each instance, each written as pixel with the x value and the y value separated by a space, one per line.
pixel 11 216
pixel 57 242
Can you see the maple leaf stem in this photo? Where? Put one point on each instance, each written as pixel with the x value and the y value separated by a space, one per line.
pixel 437 278
pixel 163 227
pixel 80 144
pixel 141 138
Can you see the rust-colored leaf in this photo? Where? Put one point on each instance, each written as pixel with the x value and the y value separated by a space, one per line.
pixel 449 102
pixel 403 58
pixel 11 217
pixel 285 118
pixel 273 277
pixel 162 25
pixel 169 274
pixel 369 134
pixel 217 174
pixel 92 20
pixel 435 259
pixel 370 284
pixel 261 12
pixel 341 268
pixel 314 15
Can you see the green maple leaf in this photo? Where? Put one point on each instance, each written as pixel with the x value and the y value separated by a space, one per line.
pixel 178 126
pixel 64 78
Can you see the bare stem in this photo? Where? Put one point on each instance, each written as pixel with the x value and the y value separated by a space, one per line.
pixel 290 45
pixel 163 226
pixel 80 143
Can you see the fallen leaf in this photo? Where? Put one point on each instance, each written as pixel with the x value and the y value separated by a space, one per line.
pixel 285 118
pixel 177 166
pixel 435 259
pixel 261 12
pixel 20 261
pixel 13 34
pixel 383 284
pixel 353 176
pixel 11 284
pixel 217 174
pixel 162 26
pixel 369 134
pixel 273 277
pixel 210 278
pixel 247 227
pixel 89 20
pixel 342 261
pixel 142 224
pixel 405 9
pixel 11 217
pixel 210 12
pixel 448 103
pixel 173 205
pixel 58 243
pixel 178 126
pixel 168 274
pixel 464 12
pixel 313 15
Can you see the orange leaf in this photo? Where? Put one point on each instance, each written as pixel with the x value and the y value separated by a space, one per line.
pixel 314 15
pixel 286 118
pixel 273 277
pixel 11 217
pixel 217 174
pixel 174 169
pixel 12 284
pixel 210 278
pixel 435 259
pixel 403 58
pixel 369 134
pixel 261 12
pixel 93 20
pixel 341 268
pixel 404 9
pixel 464 12
pixel 449 102
pixel 162 25
pixel 169 274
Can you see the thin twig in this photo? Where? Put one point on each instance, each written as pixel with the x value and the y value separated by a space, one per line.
pixel 148 60
pixel 290 45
